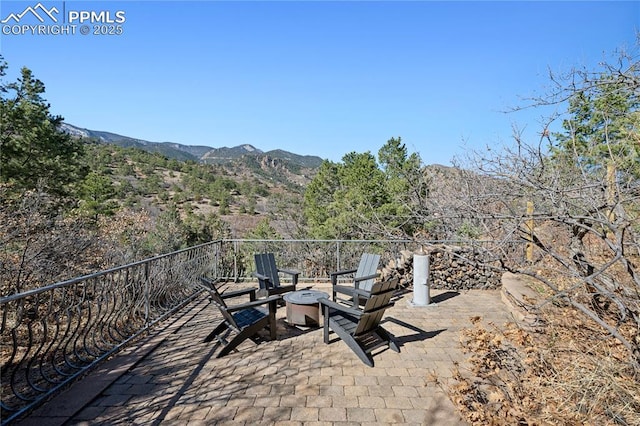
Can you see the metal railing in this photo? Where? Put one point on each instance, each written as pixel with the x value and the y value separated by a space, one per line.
pixel 315 259
pixel 51 335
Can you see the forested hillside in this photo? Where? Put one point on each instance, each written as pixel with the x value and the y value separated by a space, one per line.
pixel 200 195
pixel 74 203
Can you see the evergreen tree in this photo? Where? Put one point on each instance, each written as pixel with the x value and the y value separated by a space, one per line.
pixel 602 126
pixel 318 200
pixel 34 153
pixel 264 230
pixel 402 176
pixel 95 193
pixel 359 198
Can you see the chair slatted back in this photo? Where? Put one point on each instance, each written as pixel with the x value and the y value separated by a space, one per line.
pixel 217 300
pixel 266 265
pixel 368 266
pixel 374 308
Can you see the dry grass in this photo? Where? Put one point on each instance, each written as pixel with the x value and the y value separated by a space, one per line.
pixel 570 374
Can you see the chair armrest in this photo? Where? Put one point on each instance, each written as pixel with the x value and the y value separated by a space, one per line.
pixel 236 293
pixel 264 282
pixel 261 277
pixel 253 303
pixel 294 274
pixel 366 277
pixel 344 271
pixel 334 275
pixel 208 282
pixel 338 307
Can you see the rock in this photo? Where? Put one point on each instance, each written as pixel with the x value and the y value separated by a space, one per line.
pixel 521 301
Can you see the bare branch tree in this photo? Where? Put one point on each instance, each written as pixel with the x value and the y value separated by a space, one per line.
pixel 584 185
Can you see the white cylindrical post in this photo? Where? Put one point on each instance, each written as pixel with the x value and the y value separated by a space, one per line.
pixel 421 279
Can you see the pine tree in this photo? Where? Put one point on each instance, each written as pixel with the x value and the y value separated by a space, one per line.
pixel 34 152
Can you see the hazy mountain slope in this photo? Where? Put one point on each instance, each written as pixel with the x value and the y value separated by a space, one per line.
pixel 200 153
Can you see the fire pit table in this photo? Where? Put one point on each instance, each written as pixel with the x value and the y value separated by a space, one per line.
pixel 303 307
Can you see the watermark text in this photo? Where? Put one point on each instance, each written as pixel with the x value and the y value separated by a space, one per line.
pixel 55 19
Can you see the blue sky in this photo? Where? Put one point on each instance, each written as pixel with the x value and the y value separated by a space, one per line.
pixel 320 78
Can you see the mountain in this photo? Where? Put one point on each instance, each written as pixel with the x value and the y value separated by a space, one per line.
pixel 224 154
pixel 169 149
pixel 205 154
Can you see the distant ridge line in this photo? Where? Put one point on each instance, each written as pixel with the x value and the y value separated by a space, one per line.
pixel 199 153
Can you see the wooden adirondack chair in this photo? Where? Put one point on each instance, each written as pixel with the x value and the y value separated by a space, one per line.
pixel 361 329
pixel 363 279
pixel 268 275
pixel 242 321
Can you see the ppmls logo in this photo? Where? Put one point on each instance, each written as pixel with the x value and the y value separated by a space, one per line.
pixel 41 20
pixel 16 17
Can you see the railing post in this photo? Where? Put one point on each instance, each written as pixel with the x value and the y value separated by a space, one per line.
pixel 217 259
pixel 338 255
pixel 235 261
pixel 147 296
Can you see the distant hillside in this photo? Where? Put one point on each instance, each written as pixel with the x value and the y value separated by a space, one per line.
pixel 224 154
pixel 205 154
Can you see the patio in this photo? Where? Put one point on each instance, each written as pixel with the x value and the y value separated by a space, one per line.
pixel 173 377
